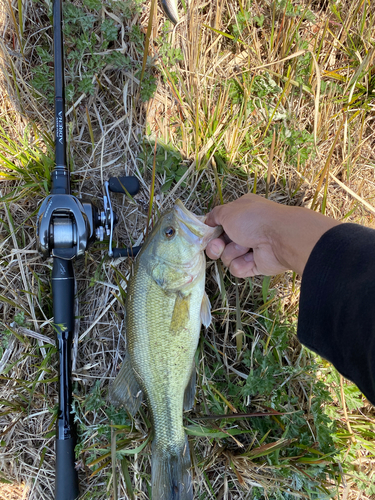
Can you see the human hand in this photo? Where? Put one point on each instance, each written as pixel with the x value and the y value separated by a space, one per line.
pixel 264 237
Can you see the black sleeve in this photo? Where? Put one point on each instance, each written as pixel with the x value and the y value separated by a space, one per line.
pixel 337 303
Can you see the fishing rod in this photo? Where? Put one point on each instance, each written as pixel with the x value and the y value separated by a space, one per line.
pixel 66 226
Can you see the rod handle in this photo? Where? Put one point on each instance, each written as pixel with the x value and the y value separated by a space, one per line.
pixel 66 485
pixel 129 182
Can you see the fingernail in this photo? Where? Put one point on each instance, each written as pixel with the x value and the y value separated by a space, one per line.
pixel 215 250
pixel 248 257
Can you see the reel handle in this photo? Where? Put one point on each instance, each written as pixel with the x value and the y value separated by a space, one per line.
pixel 125 185
pixel 125 252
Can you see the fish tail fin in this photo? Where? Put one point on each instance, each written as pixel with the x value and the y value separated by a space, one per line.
pixel 170 473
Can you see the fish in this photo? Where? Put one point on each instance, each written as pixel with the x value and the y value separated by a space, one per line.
pixel 170 10
pixel 166 304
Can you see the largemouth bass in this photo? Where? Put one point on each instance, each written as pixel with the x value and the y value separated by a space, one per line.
pixel 165 306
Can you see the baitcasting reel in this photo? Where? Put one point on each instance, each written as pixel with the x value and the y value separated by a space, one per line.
pixel 66 226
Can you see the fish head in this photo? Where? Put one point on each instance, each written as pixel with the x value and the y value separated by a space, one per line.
pixel 174 251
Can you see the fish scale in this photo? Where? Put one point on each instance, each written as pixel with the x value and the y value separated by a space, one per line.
pixel 165 307
pixel 171 354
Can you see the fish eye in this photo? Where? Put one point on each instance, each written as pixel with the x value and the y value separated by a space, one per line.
pixel 169 232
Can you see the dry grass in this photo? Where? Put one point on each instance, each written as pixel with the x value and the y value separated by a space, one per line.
pixel 193 111
pixel 13 492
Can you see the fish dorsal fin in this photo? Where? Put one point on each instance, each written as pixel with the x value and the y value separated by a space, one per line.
pixel 206 310
pixel 189 395
pixel 125 389
pixel 181 313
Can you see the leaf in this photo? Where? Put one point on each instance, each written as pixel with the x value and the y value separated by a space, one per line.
pixel 127 479
pixel 109 30
pixel 209 432
pixel 166 186
pixel 266 449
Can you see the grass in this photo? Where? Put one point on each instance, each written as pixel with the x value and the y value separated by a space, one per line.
pixel 275 98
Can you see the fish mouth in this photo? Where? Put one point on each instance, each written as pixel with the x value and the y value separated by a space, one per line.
pixel 194 228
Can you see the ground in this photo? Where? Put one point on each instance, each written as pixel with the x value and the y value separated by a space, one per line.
pixel 276 98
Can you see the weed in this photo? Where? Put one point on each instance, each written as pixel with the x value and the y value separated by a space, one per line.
pixel 169 55
pixel 20 319
pixel 168 162
pixel 148 84
pixel 362 429
pixel 295 443
pixel 298 144
pixel 27 157
pixel 265 86
pixel 91 43
pixel 294 10
pixel 94 446
pixel 5 336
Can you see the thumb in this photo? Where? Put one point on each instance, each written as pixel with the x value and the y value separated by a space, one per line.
pixel 213 218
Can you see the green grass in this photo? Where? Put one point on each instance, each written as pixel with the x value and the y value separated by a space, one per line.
pixel 26 160
pixel 89 45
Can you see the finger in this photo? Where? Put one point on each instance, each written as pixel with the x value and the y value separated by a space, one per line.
pixel 231 252
pixel 215 248
pixel 244 266
pixel 213 218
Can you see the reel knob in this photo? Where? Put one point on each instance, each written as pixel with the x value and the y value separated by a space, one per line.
pixel 125 185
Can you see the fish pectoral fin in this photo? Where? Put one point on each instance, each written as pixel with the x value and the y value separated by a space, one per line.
pixel 125 389
pixel 189 395
pixel 206 310
pixel 181 313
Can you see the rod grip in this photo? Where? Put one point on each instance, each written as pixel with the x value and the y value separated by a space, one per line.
pixel 129 182
pixel 66 485
pixel 63 296
pixel 66 480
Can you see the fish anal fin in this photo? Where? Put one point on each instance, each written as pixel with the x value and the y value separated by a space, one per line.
pixel 189 395
pixel 206 310
pixel 125 389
